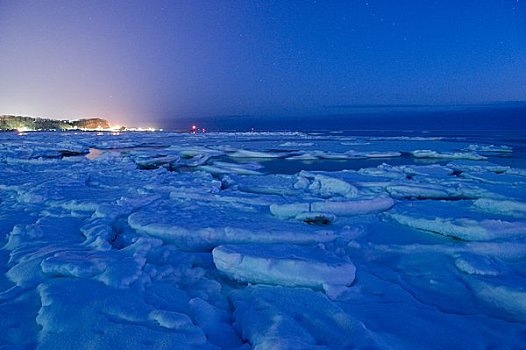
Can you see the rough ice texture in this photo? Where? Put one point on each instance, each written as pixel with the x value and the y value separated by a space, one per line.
pixel 296 318
pixel 179 241
pixel 343 208
pixel 327 187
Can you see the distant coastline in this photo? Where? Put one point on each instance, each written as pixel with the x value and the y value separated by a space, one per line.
pixel 20 123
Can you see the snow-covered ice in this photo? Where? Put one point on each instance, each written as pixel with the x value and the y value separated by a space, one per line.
pixel 286 265
pixel 261 240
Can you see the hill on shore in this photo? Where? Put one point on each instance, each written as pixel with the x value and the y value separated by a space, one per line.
pixel 12 122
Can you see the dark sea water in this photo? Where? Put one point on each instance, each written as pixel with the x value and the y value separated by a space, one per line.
pixel 498 124
pixel 499 120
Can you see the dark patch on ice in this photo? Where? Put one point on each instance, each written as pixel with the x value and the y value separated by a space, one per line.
pixel 66 153
pixel 318 220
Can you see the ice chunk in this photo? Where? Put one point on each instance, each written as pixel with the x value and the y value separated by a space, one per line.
pixel 291 210
pixel 154 162
pixel 190 159
pixel 269 184
pixel 327 187
pixel 447 155
pixel 296 144
pixel 374 154
pixel 242 153
pixel 217 169
pixel 503 207
pixel 427 191
pixel 354 207
pixel 303 156
pixel 489 148
pixel 331 155
pixel 338 208
pixel 512 250
pixel 205 223
pixel 122 272
pixel 463 228
pixel 285 265
pixel 476 166
pixel 505 179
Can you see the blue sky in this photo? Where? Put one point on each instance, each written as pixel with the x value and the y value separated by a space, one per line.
pixel 143 61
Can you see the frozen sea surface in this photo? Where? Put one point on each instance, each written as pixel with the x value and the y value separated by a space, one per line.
pixel 281 240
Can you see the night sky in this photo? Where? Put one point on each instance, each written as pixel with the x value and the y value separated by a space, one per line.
pixel 144 62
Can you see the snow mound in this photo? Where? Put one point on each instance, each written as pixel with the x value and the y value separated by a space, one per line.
pixel 327 187
pixel 354 207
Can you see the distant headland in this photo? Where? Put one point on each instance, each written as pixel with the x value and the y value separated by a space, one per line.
pixel 20 123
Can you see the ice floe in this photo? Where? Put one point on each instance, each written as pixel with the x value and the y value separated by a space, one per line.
pixel 207 224
pixel 338 208
pixel 285 265
pixel 464 228
pixel 489 148
pixel 504 207
pixel 447 155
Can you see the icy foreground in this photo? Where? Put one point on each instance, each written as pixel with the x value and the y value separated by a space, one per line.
pixel 240 241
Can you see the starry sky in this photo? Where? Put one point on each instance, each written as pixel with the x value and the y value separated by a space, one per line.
pixel 143 62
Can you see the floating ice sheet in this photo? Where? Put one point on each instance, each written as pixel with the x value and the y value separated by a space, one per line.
pixel 285 265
